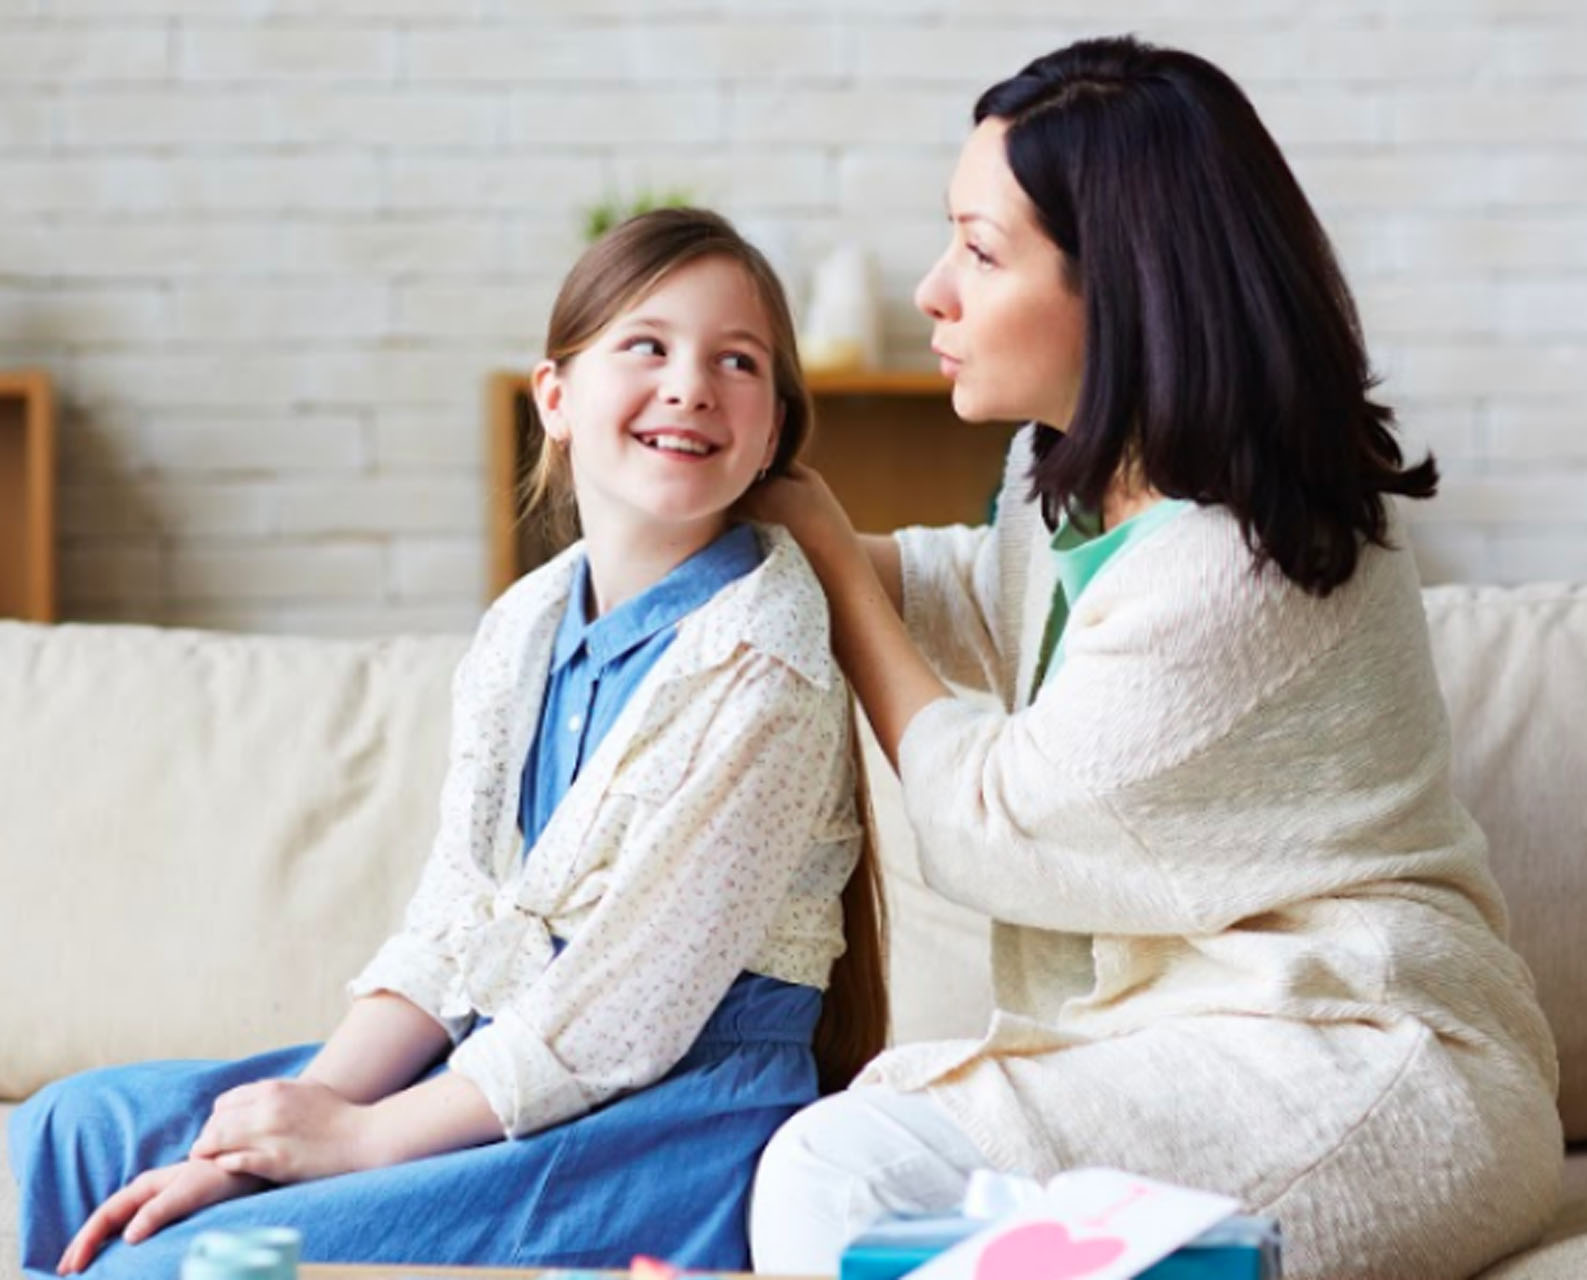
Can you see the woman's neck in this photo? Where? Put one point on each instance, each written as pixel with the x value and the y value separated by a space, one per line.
pixel 627 559
pixel 1126 498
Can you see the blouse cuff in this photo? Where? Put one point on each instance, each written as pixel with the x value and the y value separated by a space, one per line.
pixel 422 975
pixel 525 1083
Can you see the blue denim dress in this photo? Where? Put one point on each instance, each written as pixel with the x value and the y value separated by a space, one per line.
pixel 664 1171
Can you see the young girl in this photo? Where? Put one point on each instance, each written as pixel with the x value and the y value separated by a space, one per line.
pixel 607 992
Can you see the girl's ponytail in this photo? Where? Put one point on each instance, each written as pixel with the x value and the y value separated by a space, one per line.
pixel 853 1025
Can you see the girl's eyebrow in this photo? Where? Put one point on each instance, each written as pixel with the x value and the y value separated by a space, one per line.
pixel 737 335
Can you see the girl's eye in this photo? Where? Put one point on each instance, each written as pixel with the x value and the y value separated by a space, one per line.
pixel 743 363
pixel 645 346
pixel 982 258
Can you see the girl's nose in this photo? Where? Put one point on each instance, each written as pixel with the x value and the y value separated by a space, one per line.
pixel 687 387
pixel 934 293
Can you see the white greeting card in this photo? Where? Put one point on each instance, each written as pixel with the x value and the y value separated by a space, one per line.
pixel 1091 1224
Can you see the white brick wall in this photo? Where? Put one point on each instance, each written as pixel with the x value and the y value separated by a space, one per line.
pixel 269 249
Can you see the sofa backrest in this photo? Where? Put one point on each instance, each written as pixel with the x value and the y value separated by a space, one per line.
pixel 1512 663
pixel 203 836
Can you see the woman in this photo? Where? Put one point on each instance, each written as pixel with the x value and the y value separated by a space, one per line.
pixel 1244 937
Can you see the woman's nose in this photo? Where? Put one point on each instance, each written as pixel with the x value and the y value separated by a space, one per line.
pixel 933 294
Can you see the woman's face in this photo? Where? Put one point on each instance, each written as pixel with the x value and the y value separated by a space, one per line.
pixel 1008 331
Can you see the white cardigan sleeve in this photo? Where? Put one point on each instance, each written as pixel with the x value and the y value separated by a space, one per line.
pixel 950 579
pixel 691 898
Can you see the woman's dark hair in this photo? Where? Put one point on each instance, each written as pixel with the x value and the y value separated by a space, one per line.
pixel 1224 361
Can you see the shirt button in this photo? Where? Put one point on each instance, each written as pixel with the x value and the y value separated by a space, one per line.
pixel 575 723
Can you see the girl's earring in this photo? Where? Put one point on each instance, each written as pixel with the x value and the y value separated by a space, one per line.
pixel 761 475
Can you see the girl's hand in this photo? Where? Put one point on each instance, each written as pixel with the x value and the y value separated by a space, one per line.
pixel 151 1201
pixel 287 1131
pixel 802 502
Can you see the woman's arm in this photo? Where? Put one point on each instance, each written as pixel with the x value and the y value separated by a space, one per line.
pixel 863 580
pixel 881 549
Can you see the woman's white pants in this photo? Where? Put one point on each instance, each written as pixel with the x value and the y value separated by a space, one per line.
pixel 846 1161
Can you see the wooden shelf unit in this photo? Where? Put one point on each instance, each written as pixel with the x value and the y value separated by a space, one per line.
pixel 886 440
pixel 27 496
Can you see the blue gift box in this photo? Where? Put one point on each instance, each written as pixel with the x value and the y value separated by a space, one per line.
pixel 1238 1248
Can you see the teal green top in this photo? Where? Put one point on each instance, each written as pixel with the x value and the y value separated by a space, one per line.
pixel 1081 549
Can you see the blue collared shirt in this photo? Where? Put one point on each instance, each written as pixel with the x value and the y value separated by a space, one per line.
pixel 596 666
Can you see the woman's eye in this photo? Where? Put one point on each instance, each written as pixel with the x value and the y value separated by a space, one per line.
pixel 743 363
pixel 980 255
pixel 644 346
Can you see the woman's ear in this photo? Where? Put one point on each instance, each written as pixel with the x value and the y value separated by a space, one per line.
pixel 550 391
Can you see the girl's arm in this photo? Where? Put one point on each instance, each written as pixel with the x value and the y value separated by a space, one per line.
pixel 746 791
pixel 297 1130
pixel 418 963
pixel 688 904
pixel 383 1044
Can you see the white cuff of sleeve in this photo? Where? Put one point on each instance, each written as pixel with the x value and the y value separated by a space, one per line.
pixel 525 1083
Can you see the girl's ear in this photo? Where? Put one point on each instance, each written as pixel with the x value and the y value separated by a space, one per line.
pixel 550 391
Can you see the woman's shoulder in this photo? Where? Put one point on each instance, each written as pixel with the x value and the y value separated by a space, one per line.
pixel 1194 590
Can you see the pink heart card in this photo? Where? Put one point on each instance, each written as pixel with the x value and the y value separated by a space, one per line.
pixel 1091 1224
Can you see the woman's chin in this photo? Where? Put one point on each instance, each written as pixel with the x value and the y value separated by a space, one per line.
pixel 969 406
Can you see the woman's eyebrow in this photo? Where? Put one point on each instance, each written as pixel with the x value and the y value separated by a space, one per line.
pixel 970 215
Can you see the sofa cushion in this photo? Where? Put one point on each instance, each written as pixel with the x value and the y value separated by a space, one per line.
pixel 178 806
pixel 1513 666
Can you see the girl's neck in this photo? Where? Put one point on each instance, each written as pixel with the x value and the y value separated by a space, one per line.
pixel 627 559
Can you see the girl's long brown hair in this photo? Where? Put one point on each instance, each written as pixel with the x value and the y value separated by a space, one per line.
pixel 614 273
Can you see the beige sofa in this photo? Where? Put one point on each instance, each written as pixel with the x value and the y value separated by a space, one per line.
pixel 202 835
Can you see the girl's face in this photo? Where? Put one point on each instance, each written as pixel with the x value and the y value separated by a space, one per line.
pixel 1008 331
pixel 670 413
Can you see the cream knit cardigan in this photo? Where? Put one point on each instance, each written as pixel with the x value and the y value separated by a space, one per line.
pixel 1245 936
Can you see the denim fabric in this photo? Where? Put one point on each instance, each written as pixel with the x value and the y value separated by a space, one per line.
pixel 664 1171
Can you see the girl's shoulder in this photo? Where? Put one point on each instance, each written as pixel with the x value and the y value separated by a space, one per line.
pixel 534 603
pixel 543 586
pixel 777 611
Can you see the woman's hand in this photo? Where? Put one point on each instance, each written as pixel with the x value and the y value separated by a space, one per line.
pixel 288 1131
pixel 863 583
pixel 802 502
pixel 151 1201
